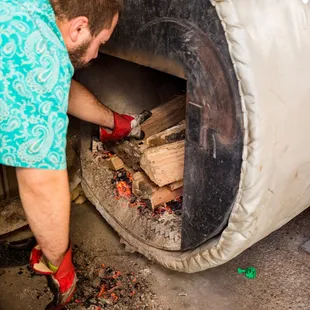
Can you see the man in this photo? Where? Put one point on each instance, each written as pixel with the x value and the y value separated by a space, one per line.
pixel 40 43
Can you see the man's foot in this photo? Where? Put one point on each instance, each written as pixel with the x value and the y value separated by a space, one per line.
pixel 62 282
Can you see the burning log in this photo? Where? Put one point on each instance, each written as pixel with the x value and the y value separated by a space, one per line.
pixel 164 164
pixel 123 184
pixel 144 188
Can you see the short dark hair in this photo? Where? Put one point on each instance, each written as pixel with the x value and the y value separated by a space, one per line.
pixel 100 13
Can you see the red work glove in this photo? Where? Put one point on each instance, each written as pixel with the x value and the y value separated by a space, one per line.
pixel 125 126
pixel 62 283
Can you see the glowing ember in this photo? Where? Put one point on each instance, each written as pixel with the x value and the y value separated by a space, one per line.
pixel 113 287
pixel 172 207
pixel 123 184
pixel 123 189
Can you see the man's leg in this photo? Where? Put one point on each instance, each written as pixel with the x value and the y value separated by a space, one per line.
pixel 45 198
pixel 46 201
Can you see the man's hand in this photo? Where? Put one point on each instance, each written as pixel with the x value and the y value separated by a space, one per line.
pixel 125 126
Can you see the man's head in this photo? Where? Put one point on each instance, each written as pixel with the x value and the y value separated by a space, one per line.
pixel 85 25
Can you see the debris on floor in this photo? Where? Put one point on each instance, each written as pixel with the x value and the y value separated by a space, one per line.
pixel 306 247
pixel 104 287
pixel 249 272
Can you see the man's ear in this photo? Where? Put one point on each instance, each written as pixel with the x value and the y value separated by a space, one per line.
pixel 79 30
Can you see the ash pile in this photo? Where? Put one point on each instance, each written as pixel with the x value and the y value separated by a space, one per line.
pixel 105 287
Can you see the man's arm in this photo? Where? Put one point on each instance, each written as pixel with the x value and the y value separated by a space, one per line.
pixel 85 106
pixel 46 201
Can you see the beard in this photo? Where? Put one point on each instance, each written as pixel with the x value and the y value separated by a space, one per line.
pixel 77 55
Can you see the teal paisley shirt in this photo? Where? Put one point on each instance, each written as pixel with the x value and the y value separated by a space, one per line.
pixel 35 77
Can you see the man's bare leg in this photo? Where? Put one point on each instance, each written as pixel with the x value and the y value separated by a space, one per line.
pixel 46 201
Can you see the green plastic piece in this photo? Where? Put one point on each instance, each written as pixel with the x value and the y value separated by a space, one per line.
pixel 250 272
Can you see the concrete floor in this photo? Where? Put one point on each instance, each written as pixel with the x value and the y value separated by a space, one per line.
pixel 283 280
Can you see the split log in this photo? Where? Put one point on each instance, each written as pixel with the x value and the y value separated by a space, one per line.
pixel 80 200
pixel 75 177
pixel 176 185
pixel 173 134
pixel 76 192
pixel 165 116
pixel 144 188
pixel 129 151
pixel 164 164
pixel 114 163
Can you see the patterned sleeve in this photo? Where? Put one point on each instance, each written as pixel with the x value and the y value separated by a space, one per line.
pixel 34 88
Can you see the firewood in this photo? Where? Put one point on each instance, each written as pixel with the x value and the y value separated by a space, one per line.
pixel 169 135
pixel 165 116
pixel 80 200
pixel 75 178
pixel 144 188
pixel 129 151
pixel 114 163
pixel 75 193
pixel 164 164
pixel 176 185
